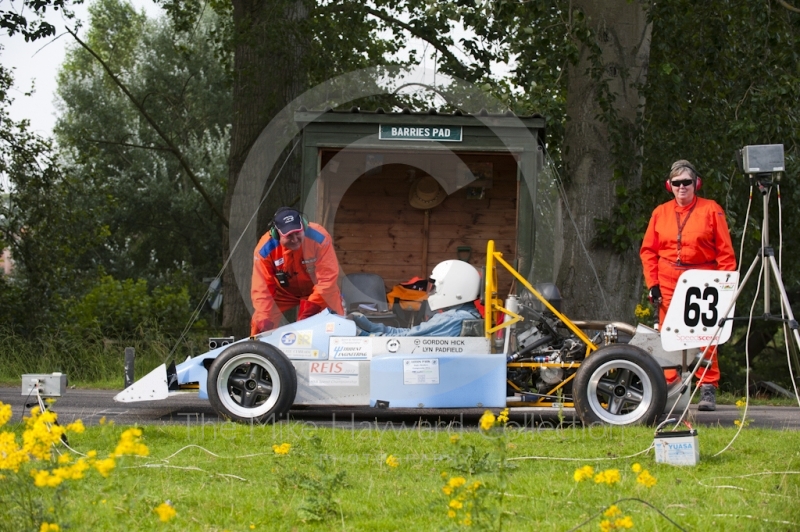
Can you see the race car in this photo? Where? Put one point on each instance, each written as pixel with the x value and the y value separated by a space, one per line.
pixel 524 353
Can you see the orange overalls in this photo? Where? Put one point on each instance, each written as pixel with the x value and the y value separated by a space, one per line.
pixel 694 237
pixel 309 278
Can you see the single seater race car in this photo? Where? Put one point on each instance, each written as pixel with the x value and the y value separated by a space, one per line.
pixel 524 353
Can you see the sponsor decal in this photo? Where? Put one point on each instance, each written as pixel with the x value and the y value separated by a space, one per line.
pixel 297 338
pixel 339 373
pixel 300 353
pixel 421 371
pixel 347 348
pixel 393 345
pixel 279 262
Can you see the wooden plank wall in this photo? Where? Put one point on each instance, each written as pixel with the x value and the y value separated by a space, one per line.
pixel 376 230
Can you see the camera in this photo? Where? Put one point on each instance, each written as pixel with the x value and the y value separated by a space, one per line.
pixel 761 159
pixel 283 279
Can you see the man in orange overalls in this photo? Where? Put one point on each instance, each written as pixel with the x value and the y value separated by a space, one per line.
pixel 294 264
pixel 687 233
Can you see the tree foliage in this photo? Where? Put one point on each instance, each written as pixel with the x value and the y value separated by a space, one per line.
pixel 159 226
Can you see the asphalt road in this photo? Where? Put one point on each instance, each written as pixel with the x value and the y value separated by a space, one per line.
pixel 92 405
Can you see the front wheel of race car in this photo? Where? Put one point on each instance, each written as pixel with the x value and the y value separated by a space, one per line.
pixel 619 385
pixel 252 381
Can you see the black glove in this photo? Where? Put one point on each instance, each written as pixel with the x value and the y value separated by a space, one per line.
pixel 655 295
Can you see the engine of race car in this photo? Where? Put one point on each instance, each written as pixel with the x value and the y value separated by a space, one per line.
pixel 541 337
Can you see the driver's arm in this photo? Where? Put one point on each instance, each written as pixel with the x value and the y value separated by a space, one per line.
pixel 441 324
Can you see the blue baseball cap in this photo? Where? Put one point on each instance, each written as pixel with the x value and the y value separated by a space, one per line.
pixel 287 221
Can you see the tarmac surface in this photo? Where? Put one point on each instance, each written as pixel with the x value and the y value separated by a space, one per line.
pixel 187 409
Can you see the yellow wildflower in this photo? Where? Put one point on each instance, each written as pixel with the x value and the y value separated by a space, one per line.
pixel 467 521
pixel 64 459
pixel 487 421
pixel 612 511
pixel 282 448
pixel 165 511
pixel 584 473
pixel 606 526
pixel 609 476
pixel 11 455
pixel 456 482
pixel 642 312
pixel 104 467
pixel 443 474
pixel 454 438
pixel 49 527
pixel 451 514
pixel 447 490
pixel 475 485
pixel 41 433
pixel 391 461
pixel 456 504
pixel 737 422
pixel 252 526
pixel 503 416
pixel 625 522
pixel 636 468
pixel 130 442
pixel 740 403
pixel 5 413
pixel 76 427
pixel 646 479
pixel 43 479
pixel 102 420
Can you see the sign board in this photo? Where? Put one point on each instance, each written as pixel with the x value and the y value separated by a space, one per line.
pixel 700 299
pixel 432 133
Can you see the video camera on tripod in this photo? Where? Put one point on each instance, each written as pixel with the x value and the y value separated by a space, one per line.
pixel 762 161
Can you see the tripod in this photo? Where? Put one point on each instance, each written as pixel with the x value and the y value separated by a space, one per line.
pixel 765 182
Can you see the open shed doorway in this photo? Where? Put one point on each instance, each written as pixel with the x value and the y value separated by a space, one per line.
pixel 376 229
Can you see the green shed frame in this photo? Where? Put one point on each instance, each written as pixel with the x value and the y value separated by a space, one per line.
pixel 339 148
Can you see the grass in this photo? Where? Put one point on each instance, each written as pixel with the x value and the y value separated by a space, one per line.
pixel 226 476
pixel 88 361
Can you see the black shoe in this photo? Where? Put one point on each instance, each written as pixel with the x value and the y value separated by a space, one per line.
pixel 708 398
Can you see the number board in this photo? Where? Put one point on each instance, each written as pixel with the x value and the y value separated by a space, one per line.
pixel 700 299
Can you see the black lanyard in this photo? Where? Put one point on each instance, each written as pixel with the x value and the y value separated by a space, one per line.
pixel 682 225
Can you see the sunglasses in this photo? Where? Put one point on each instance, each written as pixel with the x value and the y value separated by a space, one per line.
pixel 682 182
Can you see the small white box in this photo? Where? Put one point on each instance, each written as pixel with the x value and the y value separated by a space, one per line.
pixel 679 448
pixel 49 384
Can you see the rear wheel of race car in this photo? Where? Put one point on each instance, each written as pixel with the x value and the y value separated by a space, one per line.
pixel 619 385
pixel 252 381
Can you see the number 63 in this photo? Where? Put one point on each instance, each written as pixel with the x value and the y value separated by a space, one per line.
pixel 691 310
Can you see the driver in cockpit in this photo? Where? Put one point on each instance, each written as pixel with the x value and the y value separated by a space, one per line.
pixel 453 290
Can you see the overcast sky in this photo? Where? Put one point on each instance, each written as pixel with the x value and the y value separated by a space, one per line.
pixel 36 64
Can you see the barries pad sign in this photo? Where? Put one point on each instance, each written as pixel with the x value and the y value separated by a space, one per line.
pixel 432 133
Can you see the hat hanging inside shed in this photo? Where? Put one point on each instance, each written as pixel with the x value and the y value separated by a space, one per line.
pixel 426 193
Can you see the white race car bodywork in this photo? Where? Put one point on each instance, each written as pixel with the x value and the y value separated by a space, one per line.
pixel 335 367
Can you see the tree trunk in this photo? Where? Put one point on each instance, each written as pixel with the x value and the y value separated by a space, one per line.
pixel 268 74
pixel 601 283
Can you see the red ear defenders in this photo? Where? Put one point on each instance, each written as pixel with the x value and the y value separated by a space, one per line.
pixel 685 165
pixel 697 184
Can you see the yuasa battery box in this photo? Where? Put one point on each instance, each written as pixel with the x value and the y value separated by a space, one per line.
pixel 680 448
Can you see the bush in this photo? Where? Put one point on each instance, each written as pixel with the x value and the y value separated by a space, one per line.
pixel 114 307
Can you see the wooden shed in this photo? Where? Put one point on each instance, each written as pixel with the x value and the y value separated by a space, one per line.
pixel 368 177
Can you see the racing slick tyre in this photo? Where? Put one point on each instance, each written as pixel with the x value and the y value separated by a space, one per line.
pixel 252 382
pixel 619 385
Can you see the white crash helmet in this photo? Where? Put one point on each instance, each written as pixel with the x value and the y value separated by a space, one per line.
pixel 454 282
